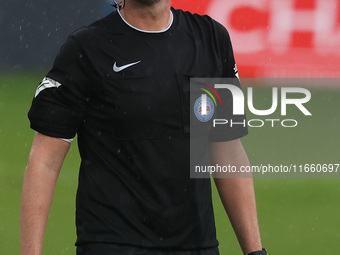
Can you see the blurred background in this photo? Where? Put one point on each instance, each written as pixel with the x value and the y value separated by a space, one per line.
pixel 271 38
pixel 275 38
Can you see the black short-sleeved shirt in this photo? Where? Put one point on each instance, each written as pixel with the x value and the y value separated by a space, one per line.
pixel 124 92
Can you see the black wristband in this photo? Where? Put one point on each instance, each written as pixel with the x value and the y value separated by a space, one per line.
pixel 263 252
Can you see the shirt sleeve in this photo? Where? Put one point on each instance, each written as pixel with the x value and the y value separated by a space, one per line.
pixel 61 99
pixel 235 125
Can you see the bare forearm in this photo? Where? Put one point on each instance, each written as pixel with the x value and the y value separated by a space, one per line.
pixel 37 195
pixel 237 196
pixel 45 161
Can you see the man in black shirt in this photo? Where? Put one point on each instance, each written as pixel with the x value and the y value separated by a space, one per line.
pixel 122 84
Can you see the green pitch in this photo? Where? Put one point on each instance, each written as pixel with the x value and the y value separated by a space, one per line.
pixel 299 216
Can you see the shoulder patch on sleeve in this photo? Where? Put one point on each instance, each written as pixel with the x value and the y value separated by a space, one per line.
pixel 46 84
pixel 236 72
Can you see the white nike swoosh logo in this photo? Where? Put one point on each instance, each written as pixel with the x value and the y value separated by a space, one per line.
pixel 121 68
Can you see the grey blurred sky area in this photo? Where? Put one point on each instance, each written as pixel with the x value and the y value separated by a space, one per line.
pixel 32 32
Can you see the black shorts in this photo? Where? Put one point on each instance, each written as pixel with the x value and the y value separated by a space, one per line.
pixel 116 249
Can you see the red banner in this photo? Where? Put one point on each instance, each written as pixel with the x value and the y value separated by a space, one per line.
pixel 276 38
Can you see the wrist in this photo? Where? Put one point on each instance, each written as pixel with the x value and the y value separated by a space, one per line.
pixel 261 252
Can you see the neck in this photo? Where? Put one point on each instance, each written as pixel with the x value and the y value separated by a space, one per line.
pixel 155 17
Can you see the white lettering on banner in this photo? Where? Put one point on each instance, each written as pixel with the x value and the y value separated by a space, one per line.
pixel 281 18
pixel 286 19
pixel 328 35
pixel 222 10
